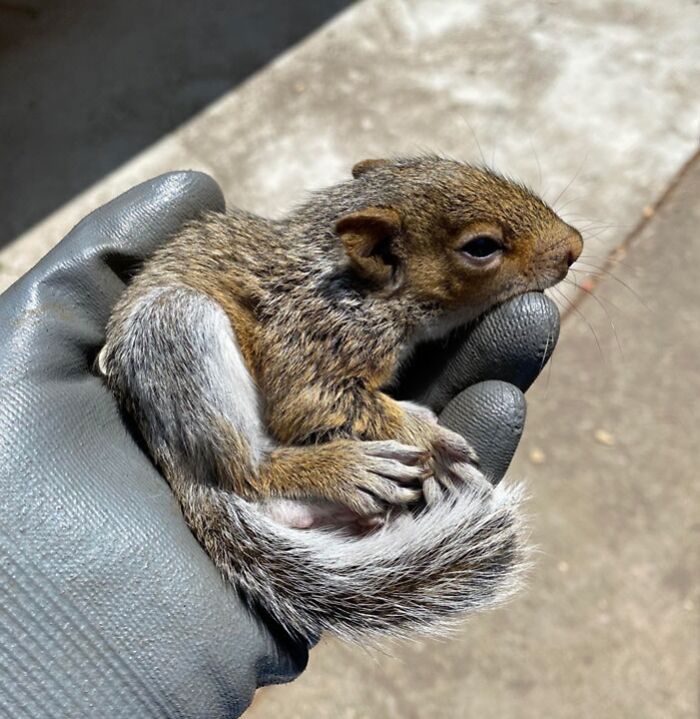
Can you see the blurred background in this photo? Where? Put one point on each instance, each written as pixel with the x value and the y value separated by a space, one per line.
pixel 596 105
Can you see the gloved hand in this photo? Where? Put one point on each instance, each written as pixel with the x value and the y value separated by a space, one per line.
pixel 108 606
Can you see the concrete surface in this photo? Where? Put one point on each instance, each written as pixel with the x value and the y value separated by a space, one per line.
pixel 87 85
pixel 601 96
pixel 609 625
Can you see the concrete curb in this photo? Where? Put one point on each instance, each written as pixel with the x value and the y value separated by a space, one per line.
pixel 599 100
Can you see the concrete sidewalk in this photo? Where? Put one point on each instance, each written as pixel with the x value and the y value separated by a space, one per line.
pixel 594 105
pixel 87 85
pixel 597 106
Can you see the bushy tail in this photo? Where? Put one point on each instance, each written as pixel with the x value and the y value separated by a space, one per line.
pixel 415 574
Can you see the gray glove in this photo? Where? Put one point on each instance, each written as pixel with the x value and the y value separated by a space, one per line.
pixel 108 606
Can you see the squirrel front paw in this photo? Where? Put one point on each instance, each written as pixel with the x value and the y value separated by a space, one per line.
pixel 380 474
pixel 453 460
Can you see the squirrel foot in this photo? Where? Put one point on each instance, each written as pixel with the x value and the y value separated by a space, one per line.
pixel 453 460
pixel 455 463
pixel 380 476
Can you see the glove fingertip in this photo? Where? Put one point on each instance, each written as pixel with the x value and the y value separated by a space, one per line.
pixel 512 343
pixel 517 339
pixel 491 417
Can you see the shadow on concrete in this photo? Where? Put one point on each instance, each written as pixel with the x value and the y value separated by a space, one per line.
pixel 86 85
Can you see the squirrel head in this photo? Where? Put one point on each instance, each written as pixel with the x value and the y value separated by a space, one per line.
pixel 451 235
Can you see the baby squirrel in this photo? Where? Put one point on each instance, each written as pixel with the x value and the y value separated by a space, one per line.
pixel 253 356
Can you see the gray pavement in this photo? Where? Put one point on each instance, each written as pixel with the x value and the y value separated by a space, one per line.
pixel 596 106
pixel 87 85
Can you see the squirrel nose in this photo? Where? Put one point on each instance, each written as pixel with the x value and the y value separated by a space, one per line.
pixel 575 246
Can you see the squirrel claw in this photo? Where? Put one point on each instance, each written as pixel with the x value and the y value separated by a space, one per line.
pixel 464 472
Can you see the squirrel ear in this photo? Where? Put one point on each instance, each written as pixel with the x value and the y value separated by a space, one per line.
pixel 363 166
pixel 366 236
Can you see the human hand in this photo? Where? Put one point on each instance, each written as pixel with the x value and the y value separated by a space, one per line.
pixel 109 605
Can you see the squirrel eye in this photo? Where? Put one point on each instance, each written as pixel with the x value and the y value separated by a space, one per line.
pixel 482 247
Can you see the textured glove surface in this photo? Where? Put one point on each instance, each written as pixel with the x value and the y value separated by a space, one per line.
pixel 108 606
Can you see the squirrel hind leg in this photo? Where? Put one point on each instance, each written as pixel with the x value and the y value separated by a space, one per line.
pixel 173 357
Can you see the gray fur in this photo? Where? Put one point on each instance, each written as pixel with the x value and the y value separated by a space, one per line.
pixel 178 365
pixel 415 575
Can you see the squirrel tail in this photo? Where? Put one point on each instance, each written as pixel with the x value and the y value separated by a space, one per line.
pixel 417 574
